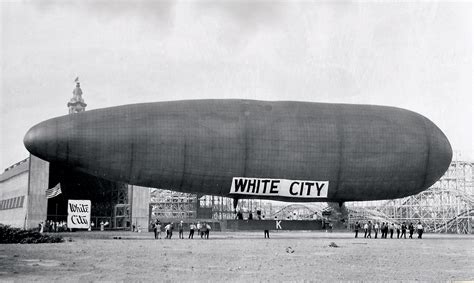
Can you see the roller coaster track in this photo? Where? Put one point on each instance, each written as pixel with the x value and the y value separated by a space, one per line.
pixel 370 214
pixel 314 208
pixel 453 220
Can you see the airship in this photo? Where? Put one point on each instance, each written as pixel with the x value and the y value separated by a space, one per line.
pixel 278 150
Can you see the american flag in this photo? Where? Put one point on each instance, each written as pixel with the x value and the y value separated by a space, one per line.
pixel 53 192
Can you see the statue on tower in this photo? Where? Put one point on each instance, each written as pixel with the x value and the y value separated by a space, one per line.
pixel 76 104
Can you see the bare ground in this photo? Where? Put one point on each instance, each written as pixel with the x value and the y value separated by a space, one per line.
pixel 241 256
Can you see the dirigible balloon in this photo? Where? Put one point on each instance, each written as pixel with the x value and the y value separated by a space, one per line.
pixel 290 151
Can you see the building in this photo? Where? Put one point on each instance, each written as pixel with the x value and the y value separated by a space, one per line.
pixel 22 193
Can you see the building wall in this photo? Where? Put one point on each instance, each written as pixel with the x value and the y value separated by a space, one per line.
pixel 38 184
pixel 13 195
pixel 140 202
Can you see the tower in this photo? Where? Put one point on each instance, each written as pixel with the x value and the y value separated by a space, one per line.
pixel 76 104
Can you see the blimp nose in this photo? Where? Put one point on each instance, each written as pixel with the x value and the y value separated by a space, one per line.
pixel 440 155
pixel 42 141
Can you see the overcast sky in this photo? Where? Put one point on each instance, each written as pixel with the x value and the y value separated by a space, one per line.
pixel 416 56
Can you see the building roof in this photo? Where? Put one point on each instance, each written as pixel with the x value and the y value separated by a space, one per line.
pixel 15 169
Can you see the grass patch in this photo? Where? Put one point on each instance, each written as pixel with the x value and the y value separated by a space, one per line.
pixel 10 235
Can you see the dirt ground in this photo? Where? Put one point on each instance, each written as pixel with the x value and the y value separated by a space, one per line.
pixel 240 256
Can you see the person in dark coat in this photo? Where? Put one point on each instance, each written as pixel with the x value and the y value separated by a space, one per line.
pixel 404 230
pixel 357 227
pixel 208 229
pixel 411 228
pixel 191 231
pixel 369 229
pixel 181 229
pixel 203 230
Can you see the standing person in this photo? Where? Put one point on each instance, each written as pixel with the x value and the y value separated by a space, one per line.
pixel 266 234
pixel 392 229
pixel 357 227
pixel 398 231
pixel 404 230
pixel 191 231
pixel 376 229
pixel 419 229
pixel 369 229
pixel 366 228
pixel 41 227
pixel 154 229
pixel 411 228
pixel 180 228
pixel 382 230
pixel 265 231
pixel 158 230
pixel 171 229
pixel 167 229
pixel 199 226
pixel 203 230
pixel 208 229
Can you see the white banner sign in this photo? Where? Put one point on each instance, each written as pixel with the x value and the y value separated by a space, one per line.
pixel 279 187
pixel 78 213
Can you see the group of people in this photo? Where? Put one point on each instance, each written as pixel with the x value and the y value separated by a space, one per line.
pixel 52 226
pixel 203 230
pixel 386 228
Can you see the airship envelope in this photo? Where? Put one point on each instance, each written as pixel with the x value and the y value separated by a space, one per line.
pixel 291 151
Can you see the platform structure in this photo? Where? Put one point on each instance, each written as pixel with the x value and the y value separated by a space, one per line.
pixel 167 205
pixel 223 207
pixel 446 207
pixel 219 208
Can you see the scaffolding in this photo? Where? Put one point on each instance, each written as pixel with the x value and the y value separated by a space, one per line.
pixel 219 208
pixel 222 208
pixel 446 207
pixel 166 204
pixel 120 196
